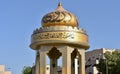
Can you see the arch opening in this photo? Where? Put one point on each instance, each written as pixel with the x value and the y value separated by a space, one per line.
pixel 54 54
pixel 75 62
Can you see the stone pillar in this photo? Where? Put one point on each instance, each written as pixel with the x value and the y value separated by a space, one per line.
pixel 82 61
pixel 37 65
pixel 66 60
pixel 42 62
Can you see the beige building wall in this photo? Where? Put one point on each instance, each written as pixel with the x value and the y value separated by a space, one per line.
pixel 2 67
pixel 7 72
pixel 2 70
pixel 92 58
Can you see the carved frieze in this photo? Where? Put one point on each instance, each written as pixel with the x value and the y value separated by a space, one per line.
pixel 54 35
pixel 63 36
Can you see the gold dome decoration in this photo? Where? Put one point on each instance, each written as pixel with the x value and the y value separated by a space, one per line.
pixel 59 17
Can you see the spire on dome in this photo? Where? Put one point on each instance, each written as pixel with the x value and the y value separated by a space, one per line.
pixel 59 4
pixel 59 7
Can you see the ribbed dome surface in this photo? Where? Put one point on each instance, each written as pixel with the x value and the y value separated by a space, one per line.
pixel 59 17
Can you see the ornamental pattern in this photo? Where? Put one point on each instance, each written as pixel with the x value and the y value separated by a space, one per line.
pixel 57 16
pixel 54 35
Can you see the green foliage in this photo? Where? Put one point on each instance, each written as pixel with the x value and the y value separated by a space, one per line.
pixel 101 66
pixel 27 70
pixel 113 63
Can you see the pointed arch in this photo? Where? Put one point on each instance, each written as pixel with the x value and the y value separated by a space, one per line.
pixel 54 55
pixel 75 61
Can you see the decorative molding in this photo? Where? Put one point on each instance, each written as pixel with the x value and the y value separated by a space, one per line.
pixel 59 28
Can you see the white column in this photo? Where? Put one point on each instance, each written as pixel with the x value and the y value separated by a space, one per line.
pixel 76 65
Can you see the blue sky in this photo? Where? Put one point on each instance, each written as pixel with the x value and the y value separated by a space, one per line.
pixel 18 19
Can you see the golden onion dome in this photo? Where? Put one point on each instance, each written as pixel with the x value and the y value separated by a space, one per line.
pixel 59 17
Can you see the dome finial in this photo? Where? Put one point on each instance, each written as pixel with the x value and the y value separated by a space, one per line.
pixel 59 7
pixel 59 4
